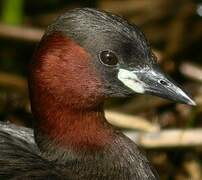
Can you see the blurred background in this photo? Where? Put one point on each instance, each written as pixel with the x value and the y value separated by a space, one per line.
pixel 169 133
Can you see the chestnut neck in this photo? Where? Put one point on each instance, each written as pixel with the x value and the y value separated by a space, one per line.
pixel 73 129
pixel 67 97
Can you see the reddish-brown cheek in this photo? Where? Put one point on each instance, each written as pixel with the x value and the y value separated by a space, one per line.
pixel 66 93
pixel 65 70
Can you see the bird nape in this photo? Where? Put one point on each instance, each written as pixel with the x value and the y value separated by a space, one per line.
pixel 85 57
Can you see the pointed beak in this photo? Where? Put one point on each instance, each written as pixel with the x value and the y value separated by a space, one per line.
pixel 153 81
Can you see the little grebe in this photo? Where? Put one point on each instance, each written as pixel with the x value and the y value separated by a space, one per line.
pixel 85 57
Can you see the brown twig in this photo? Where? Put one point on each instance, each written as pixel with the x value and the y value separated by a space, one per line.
pixel 191 70
pixel 21 33
pixel 168 138
pixel 10 80
pixel 131 122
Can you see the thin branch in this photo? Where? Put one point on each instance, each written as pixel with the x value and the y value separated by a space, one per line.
pixel 167 138
pixel 130 122
pixel 21 33
pixel 10 80
pixel 191 70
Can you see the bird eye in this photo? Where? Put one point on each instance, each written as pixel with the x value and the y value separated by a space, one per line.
pixel 108 58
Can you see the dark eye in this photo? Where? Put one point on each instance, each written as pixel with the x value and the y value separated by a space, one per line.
pixel 108 58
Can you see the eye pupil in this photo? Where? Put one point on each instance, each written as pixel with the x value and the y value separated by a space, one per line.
pixel 108 58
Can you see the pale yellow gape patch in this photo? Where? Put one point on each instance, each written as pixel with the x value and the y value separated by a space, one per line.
pixel 130 79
